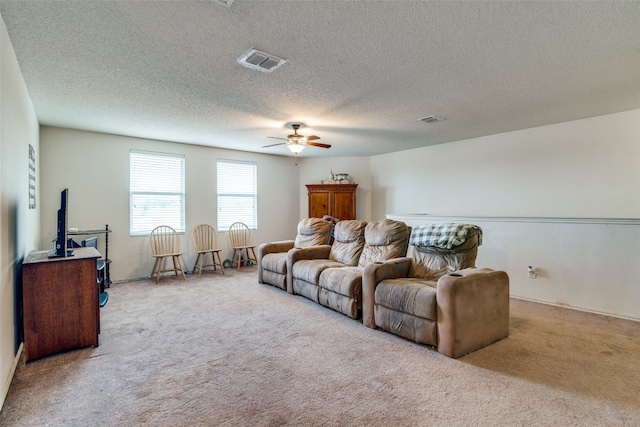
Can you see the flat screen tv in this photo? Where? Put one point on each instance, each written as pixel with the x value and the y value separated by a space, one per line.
pixel 61 250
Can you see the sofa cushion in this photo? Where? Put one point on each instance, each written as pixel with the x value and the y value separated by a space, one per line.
pixel 276 262
pixel 348 242
pixel 345 281
pixel 312 232
pixel 384 240
pixel 431 263
pixel 309 269
pixel 306 289
pixel 418 329
pixel 275 279
pixel 408 295
pixel 340 303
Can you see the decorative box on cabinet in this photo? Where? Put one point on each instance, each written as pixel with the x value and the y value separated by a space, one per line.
pixel 338 200
pixel 60 302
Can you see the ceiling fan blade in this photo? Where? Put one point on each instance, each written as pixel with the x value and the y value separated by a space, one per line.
pixel 312 137
pixel 318 144
pixel 275 137
pixel 273 145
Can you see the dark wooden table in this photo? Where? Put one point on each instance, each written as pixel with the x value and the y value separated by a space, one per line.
pixel 60 302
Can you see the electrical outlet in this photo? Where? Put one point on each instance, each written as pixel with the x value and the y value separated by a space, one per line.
pixel 532 273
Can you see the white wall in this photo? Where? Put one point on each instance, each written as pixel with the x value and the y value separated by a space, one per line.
pixel 18 224
pixel 95 168
pixel 581 169
pixel 585 168
pixel 314 170
pixel 585 264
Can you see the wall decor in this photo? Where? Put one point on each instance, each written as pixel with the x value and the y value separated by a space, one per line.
pixel 32 177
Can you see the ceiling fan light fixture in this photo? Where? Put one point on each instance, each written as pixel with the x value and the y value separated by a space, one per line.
pixel 295 148
pixel 296 142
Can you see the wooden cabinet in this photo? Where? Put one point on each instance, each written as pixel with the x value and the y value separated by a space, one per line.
pixel 60 302
pixel 338 200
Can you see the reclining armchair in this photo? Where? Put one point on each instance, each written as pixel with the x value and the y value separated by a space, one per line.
pixel 272 257
pixel 333 278
pixel 437 297
pixel 305 265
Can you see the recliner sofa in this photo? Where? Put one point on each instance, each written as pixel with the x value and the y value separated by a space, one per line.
pixel 272 257
pixel 332 276
pixel 437 296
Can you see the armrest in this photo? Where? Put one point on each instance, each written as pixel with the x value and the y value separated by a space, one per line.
pixel 269 248
pixel 313 252
pixel 374 274
pixel 473 310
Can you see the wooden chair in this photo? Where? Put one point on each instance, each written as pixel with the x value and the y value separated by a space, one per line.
pixel 241 241
pixel 205 241
pixel 164 244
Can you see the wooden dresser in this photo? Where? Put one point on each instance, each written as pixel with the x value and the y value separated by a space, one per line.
pixel 60 302
pixel 338 200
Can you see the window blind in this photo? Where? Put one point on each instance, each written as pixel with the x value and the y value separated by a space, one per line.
pixel 237 193
pixel 156 191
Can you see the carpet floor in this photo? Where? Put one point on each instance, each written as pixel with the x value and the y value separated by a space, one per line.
pixel 227 351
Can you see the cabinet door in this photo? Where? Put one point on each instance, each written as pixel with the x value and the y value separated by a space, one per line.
pixel 344 204
pixel 319 204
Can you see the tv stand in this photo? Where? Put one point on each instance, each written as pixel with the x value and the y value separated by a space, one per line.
pixel 60 302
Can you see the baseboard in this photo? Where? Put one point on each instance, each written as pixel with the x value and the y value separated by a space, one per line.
pixel 584 310
pixel 7 383
pixel 132 279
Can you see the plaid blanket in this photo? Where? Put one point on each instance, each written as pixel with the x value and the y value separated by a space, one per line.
pixel 445 236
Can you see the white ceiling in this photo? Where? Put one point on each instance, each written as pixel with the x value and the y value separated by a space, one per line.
pixel 358 73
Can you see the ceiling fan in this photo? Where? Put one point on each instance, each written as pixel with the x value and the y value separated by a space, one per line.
pixel 296 142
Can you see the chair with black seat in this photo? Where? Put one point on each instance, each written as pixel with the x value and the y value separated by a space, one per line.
pixel 205 241
pixel 240 239
pixel 101 266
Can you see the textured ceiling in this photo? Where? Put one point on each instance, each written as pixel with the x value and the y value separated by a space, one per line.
pixel 358 73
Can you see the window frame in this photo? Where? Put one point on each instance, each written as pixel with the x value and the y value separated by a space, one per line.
pixel 224 179
pixel 178 222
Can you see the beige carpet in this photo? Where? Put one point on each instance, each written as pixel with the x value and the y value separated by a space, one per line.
pixel 225 350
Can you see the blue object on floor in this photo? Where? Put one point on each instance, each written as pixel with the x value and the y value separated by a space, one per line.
pixel 104 297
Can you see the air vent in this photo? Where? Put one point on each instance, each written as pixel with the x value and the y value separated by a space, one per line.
pixel 261 61
pixel 224 2
pixel 431 119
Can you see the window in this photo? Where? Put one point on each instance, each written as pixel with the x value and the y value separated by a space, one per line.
pixel 237 193
pixel 156 191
